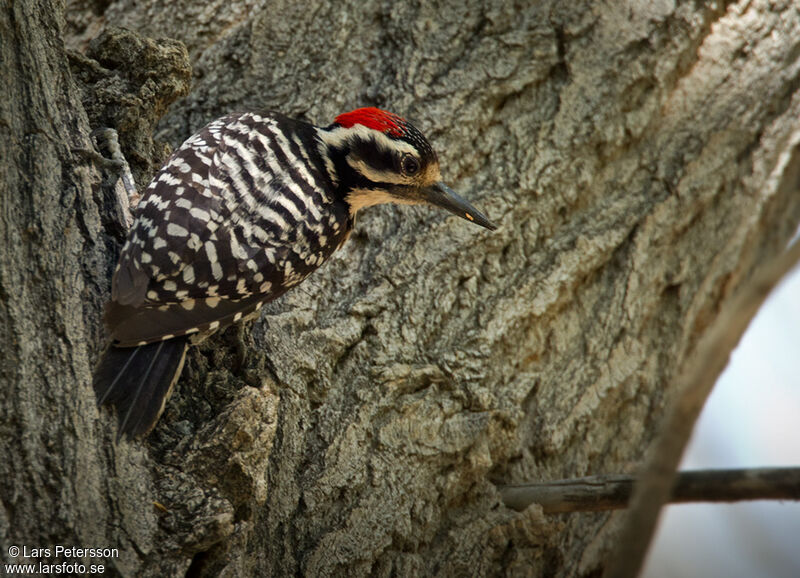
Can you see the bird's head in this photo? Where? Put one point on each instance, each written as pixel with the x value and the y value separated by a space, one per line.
pixel 378 157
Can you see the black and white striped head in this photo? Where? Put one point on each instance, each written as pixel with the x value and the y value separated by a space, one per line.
pixel 379 157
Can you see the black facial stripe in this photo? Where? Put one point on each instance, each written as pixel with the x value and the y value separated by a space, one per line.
pixel 377 157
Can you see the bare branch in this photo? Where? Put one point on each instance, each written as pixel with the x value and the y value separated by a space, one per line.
pixel 695 384
pixel 613 492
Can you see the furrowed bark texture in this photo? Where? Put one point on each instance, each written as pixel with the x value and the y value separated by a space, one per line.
pixel 641 160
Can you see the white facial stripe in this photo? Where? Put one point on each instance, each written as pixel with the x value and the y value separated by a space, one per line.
pixel 377 176
pixel 360 198
pixel 338 137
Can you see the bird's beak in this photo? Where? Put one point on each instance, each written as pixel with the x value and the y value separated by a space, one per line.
pixel 443 196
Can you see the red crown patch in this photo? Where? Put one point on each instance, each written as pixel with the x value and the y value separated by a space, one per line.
pixel 374 118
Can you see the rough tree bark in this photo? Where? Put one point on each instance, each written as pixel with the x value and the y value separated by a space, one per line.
pixel 641 158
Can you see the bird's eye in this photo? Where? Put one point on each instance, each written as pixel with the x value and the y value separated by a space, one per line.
pixel 410 165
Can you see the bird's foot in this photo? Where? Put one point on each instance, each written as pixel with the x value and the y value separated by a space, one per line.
pixel 106 141
pixel 107 156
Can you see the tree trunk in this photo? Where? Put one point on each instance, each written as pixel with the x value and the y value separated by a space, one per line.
pixel 642 161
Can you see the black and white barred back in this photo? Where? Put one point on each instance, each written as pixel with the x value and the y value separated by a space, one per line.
pixel 240 213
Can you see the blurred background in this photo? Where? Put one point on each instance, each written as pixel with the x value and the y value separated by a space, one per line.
pixel 752 419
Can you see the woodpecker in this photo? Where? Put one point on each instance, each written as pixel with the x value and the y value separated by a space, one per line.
pixel 240 213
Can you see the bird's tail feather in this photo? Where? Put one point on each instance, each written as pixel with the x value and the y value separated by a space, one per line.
pixel 138 380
